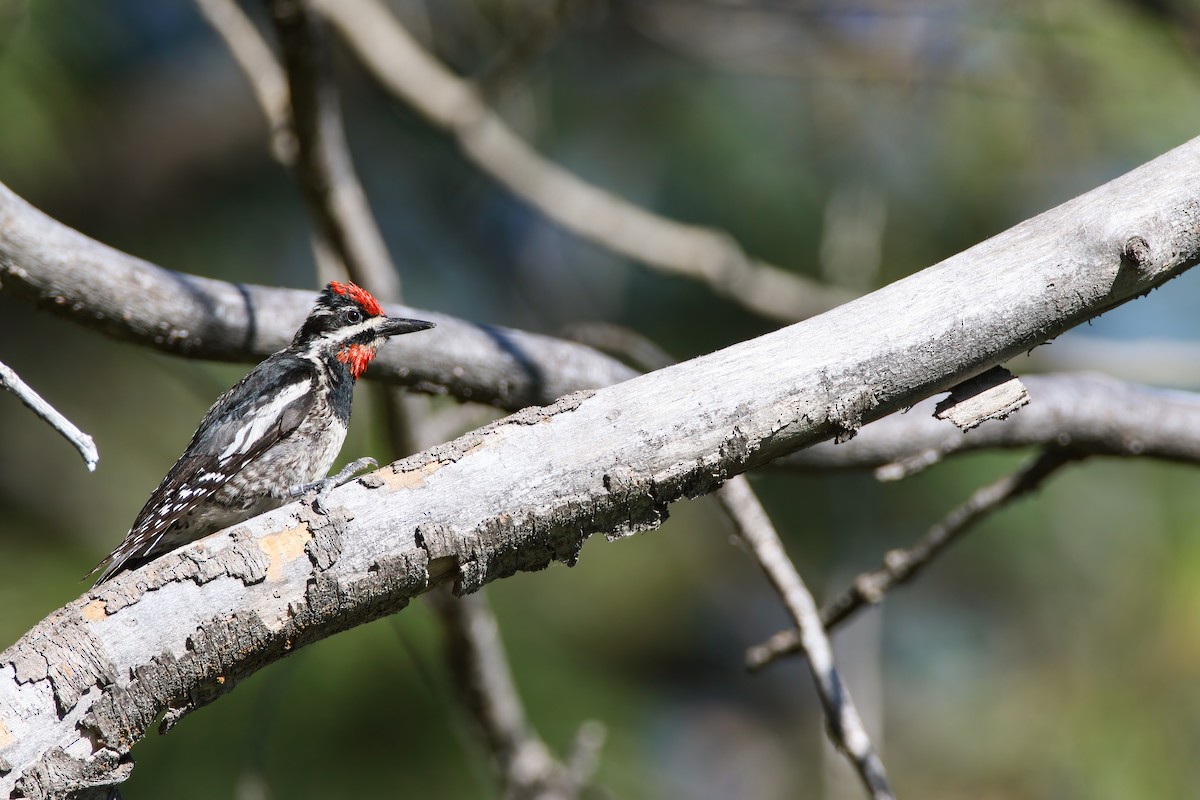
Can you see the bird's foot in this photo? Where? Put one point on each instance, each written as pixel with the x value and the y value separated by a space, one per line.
pixel 319 489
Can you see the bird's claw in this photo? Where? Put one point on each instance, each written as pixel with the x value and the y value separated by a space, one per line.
pixel 319 489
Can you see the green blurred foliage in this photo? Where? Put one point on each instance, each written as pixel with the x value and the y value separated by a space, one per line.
pixel 1052 653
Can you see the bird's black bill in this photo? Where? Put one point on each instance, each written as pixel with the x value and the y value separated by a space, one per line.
pixel 398 325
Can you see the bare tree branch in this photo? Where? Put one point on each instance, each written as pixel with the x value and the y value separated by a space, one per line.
pixel 11 381
pixel 1072 416
pixel 845 727
pixel 900 566
pixel 448 102
pixel 80 688
pixel 65 272
pixel 1093 414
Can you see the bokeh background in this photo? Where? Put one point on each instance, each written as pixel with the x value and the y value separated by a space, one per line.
pixel 1055 653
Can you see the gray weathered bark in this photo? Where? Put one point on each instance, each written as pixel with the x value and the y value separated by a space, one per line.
pixel 85 684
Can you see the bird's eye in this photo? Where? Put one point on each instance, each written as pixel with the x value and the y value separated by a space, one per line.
pixel 353 315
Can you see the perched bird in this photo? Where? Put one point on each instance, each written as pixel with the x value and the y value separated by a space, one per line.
pixel 272 437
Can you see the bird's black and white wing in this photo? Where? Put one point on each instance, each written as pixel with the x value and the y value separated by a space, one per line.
pixel 244 422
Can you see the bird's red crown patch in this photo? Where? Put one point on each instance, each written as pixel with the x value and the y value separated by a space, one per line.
pixel 359 295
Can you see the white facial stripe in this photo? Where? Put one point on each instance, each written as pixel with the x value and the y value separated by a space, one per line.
pixel 346 333
pixel 350 331
pixel 247 436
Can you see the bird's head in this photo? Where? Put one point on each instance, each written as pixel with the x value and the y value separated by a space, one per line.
pixel 349 324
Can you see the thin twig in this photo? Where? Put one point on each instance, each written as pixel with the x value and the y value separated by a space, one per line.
pixel 845 726
pixel 900 566
pixel 448 102
pixel 83 443
pixel 584 755
pixel 480 669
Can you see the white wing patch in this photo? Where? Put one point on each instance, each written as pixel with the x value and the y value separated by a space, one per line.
pixel 263 420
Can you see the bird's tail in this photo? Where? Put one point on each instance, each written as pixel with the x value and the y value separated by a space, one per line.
pixel 130 554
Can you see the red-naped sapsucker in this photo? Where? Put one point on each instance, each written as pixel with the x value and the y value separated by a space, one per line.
pixel 272 437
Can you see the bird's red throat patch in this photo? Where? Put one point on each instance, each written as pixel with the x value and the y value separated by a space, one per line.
pixel 359 295
pixel 356 357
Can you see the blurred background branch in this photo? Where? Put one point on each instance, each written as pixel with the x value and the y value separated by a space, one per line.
pixel 41 262
pixel 258 64
pixel 476 657
pixel 1092 414
pixel 323 166
pixel 399 63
